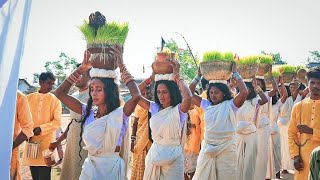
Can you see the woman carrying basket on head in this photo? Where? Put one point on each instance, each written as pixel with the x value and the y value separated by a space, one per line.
pixel 165 158
pixel 218 150
pixel 104 124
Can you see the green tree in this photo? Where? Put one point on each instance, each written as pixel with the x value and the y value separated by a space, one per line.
pixel 314 57
pixel 277 59
pixel 187 65
pixel 59 67
pixel 36 77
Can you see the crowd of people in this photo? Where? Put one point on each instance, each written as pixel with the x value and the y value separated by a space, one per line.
pixel 235 130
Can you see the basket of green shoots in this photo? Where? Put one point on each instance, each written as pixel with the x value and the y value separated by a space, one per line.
pixel 288 73
pixel 265 64
pixel 248 66
pixel 104 40
pixel 302 74
pixel 216 65
pixel 275 74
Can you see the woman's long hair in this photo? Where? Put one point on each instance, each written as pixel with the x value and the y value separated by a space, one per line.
pixel 252 94
pixel 175 94
pixel 263 83
pixel 111 92
pixel 223 88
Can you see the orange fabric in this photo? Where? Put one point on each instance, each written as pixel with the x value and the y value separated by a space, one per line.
pixel 204 94
pixel 309 112
pixel 46 113
pixel 201 114
pixel 23 122
pixel 142 144
pixel 193 140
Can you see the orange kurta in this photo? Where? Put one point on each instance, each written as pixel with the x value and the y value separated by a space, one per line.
pixel 46 113
pixel 194 139
pixel 308 111
pixel 23 123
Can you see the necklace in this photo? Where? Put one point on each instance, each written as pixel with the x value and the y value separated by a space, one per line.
pixel 97 113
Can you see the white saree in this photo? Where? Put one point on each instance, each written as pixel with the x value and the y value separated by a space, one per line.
pixel 101 137
pixel 216 160
pixel 274 162
pixel 165 157
pixel 263 140
pixel 283 122
pixel 247 140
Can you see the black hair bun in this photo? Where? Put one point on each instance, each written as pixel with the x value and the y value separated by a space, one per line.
pixel 97 20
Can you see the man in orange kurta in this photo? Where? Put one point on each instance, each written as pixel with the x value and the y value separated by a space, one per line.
pixel 46 115
pixel 304 128
pixel 22 131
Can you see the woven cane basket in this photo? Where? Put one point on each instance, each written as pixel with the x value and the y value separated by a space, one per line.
pixel 247 71
pixel 268 83
pixel 216 70
pixel 102 56
pixel 288 77
pixel 263 69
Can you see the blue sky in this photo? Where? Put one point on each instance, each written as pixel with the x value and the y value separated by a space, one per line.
pixel 244 26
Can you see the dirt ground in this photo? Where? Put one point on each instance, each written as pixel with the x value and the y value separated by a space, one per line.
pixel 55 173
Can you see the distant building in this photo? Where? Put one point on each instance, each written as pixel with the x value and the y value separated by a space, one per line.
pixel 313 64
pixel 25 87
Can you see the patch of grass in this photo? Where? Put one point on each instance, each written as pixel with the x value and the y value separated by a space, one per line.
pixel 217 55
pixel 249 60
pixel 265 59
pixel 288 69
pixel 112 33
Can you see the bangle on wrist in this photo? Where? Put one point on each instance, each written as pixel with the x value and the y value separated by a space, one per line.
pixel 175 75
pixel 197 78
pixel 257 89
pixel 147 82
pixel 195 82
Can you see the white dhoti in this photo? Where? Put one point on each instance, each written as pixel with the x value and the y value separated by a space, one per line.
pixel 190 161
pixel 286 161
pixel 283 123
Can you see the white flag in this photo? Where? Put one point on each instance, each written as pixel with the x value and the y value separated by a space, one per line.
pixel 14 15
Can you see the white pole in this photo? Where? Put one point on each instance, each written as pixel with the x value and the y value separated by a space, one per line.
pixel 14 15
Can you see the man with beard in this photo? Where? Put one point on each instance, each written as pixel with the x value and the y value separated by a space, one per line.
pixel 304 128
pixel 72 162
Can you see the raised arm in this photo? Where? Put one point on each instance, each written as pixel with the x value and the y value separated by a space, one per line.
pixel 128 80
pixel 296 92
pixel 263 98
pixel 243 92
pixel 62 91
pixel 274 89
pixel 186 93
pixel 196 99
pixel 284 93
pixel 143 102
